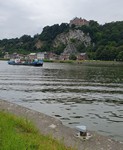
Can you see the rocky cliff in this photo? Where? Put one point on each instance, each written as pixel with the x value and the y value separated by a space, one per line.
pixel 72 40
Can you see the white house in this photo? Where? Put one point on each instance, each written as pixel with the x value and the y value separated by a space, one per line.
pixel 40 55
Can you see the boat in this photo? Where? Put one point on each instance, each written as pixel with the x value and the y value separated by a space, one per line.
pixel 36 62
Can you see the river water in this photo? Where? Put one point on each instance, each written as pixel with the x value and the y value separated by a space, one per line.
pixel 76 94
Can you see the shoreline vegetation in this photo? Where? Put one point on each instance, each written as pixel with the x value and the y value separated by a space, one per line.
pixel 88 62
pixel 84 62
pixel 18 134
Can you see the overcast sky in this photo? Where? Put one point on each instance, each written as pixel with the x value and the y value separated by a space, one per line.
pixel 19 17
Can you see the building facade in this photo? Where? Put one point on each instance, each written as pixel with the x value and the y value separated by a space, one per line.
pixel 78 22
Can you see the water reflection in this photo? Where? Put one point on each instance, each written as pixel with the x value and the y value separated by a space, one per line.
pixel 76 94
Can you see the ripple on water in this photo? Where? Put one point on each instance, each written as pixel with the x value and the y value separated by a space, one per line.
pixel 90 95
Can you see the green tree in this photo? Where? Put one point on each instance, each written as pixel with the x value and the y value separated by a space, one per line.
pixel 81 47
pixel 120 56
pixel 72 57
pixel 59 49
pixel 1 54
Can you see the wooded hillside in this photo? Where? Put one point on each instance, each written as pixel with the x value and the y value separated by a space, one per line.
pixel 106 41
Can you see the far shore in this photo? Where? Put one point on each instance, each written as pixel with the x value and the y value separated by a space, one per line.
pixel 85 62
pixel 50 126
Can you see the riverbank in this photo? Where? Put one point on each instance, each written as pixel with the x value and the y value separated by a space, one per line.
pixel 50 126
pixel 86 62
pixel 17 133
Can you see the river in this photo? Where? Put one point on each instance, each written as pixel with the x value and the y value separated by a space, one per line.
pixel 76 94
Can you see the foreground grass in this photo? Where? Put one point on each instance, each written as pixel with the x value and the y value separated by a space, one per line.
pixel 20 134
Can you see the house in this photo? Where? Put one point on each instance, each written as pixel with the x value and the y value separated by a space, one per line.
pixel 40 55
pixel 64 56
pixel 82 56
pixel 32 56
pixel 7 55
pixel 50 56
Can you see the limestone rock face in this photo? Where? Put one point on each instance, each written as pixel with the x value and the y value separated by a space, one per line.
pixel 73 36
pixel 70 49
pixel 71 40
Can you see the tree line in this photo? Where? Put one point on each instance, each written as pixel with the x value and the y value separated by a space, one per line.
pixel 106 41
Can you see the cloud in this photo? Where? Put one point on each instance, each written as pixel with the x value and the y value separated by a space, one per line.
pixel 19 17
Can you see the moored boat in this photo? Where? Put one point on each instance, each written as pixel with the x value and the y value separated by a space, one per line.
pixel 36 62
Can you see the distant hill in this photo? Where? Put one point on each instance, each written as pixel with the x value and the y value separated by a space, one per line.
pixel 100 42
